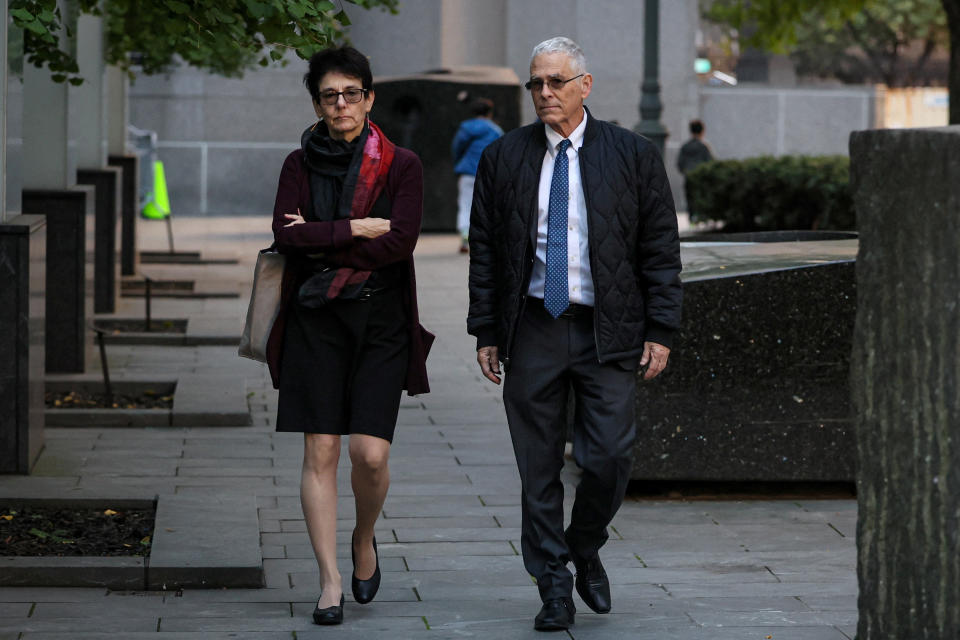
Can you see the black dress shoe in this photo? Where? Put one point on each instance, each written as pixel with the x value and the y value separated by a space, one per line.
pixel 592 584
pixel 365 590
pixel 330 615
pixel 555 615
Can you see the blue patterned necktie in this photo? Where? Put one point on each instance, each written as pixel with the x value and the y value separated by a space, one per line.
pixel 556 297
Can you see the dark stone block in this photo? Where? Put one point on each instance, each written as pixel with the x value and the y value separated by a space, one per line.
pixel 906 382
pixel 206 541
pixel 68 213
pixel 120 573
pixel 23 246
pixel 129 206
pixel 423 112
pixel 106 181
pixel 757 386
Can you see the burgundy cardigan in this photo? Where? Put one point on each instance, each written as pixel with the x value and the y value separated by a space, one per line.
pixel 405 190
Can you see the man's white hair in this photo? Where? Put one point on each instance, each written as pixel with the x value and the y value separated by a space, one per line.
pixel 566 46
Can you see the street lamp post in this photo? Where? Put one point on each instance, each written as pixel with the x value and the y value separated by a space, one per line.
pixel 650 105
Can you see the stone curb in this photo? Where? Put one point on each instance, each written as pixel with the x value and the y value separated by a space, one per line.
pixel 79 571
pixel 108 417
pixel 157 338
pixel 198 401
pixel 199 541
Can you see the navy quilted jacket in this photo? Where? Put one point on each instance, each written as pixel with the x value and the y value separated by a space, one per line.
pixel 633 239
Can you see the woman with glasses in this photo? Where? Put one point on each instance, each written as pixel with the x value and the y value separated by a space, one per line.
pixel 348 340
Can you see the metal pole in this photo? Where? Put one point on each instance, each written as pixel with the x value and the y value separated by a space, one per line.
pixel 650 105
pixel 169 232
pixel 146 297
pixel 108 390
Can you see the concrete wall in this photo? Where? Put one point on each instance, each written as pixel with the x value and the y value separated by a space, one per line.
pixel 750 121
pixel 222 141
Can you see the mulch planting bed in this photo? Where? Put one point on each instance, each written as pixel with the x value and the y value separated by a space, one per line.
pixel 87 400
pixel 37 531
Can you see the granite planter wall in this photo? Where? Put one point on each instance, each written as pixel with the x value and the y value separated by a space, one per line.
pixel 906 382
pixel 69 214
pixel 129 166
pixel 22 308
pixel 106 181
pixel 757 384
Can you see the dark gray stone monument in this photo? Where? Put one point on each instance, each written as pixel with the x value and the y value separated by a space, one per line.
pixel 22 304
pixel 756 388
pixel 906 381
pixel 69 213
pixel 106 181
pixel 129 205
pixel 422 113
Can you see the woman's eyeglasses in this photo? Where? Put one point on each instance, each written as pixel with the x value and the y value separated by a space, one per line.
pixel 555 84
pixel 352 96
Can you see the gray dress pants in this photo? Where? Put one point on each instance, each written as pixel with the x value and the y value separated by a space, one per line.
pixel 549 357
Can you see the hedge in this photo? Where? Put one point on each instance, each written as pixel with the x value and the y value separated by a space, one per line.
pixel 774 193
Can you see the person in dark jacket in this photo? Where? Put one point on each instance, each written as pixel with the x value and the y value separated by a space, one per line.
pixel 693 153
pixel 574 281
pixel 348 340
pixel 471 139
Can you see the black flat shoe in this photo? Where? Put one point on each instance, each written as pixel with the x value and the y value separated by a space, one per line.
pixel 555 615
pixel 592 584
pixel 330 615
pixel 365 590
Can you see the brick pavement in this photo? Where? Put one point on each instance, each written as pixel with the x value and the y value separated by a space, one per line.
pixel 449 535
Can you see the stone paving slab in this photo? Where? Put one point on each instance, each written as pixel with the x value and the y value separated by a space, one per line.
pixel 206 541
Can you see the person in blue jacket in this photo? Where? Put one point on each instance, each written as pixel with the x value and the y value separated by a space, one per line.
pixel 471 139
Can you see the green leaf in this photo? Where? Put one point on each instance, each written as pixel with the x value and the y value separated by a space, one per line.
pixel 43 535
pixel 36 27
pixel 177 7
pixel 22 15
pixel 76 81
pixel 343 18
pixel 297 10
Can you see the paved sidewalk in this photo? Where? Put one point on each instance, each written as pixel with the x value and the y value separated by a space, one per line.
pixel 449 535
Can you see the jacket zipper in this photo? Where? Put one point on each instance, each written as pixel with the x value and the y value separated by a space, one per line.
pixel 591 245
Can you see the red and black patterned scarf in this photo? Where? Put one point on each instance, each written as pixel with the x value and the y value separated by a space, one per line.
pixel 363 184
pixel 376 158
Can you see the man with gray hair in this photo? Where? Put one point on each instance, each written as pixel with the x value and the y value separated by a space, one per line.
pixel 574 282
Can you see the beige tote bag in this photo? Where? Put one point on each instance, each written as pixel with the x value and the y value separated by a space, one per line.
pixel 264 305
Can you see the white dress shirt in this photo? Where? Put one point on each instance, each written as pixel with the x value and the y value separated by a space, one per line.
pixel 579 282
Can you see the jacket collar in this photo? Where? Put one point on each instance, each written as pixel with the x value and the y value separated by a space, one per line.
pixel 591 132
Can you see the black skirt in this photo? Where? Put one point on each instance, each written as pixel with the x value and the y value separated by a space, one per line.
pixel 344 365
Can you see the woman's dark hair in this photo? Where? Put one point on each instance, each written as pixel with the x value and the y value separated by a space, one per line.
pixel 345 60
pixel 696 127
pixel 481 107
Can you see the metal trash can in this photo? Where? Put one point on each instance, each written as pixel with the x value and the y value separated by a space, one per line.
pixel 422 112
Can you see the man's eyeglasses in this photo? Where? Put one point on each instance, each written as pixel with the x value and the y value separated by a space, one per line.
pixel 555 84
pixel 350 95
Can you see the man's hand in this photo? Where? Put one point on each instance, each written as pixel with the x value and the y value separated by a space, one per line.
pixel 656 356
pixel 489 359
pixel 369 228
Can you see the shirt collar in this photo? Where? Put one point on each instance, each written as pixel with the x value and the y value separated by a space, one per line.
pixel 575 138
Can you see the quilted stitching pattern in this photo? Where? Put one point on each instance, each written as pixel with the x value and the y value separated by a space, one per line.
pixel 634 244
